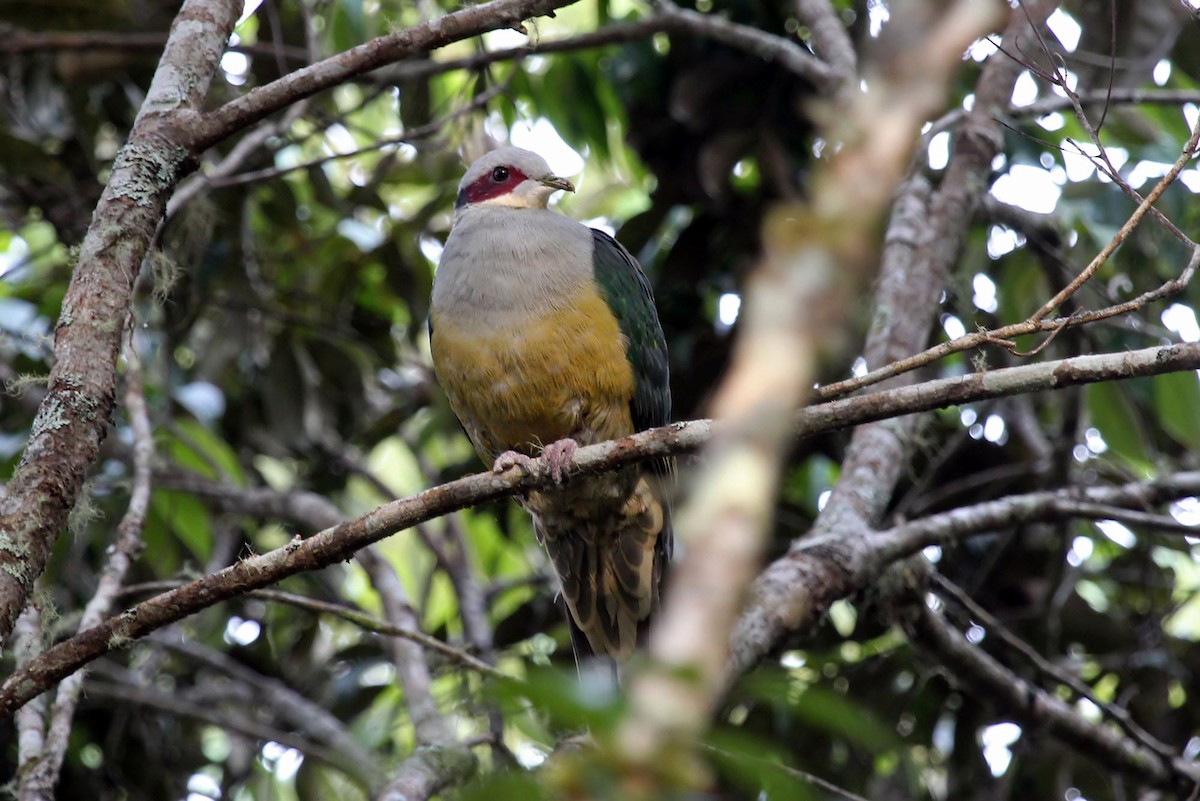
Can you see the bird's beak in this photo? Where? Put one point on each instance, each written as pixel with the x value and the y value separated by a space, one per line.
pixel 554 182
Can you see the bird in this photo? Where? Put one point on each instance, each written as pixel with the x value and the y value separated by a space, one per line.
pixel 545 337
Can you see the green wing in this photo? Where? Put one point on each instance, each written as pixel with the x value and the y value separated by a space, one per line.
pixel 628 293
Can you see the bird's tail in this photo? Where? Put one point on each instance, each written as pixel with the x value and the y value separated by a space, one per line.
pixel 611 569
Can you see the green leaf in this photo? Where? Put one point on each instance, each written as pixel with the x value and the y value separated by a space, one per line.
pixel 568 703
pixel 758 765
pixel 1177 402
pixel 1119 422
pixel 839 714
pixel 348 25
pixel 504 786
pixel 317 781
pixel 823 708
pixel 199 449
pixel 187 517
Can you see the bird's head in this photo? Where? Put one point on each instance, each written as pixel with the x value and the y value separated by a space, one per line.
pixel 510 177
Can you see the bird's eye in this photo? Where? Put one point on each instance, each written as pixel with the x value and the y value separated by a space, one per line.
pixel 500 174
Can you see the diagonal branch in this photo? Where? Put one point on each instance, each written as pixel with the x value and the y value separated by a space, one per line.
pixel 222 122
pixel 74 414
pixel 830 38
pixel 789 54
pixel 428 771
pixel 120 556
pixel 1004 335
pixel 817 254
pixel 340 542
pixel 353 616
pixel 1046 667
pixel 916 265
pixel 290 708
pixel 1189 152
pixel 994 681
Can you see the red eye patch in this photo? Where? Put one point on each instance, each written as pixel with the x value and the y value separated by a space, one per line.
pixel 500 181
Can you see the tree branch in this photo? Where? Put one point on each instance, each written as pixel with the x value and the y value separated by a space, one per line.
pixel 341 541
pixel 292 709
pixel 830 38
pixel 74 414
pixel 992 680
pixel 916 264
pixel 816 256
pixel 23 41
pixel 261 101
pixel 612 34
pixel 1078 686
pixel 427 771
pixel 789 54
pixel 1014 510
pixel 31 718
pixel 120 556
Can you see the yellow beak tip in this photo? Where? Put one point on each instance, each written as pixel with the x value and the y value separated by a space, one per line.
pixel 558 183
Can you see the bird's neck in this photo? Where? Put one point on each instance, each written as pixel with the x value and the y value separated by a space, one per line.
pixel 505 260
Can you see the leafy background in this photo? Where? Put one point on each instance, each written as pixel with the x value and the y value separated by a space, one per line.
pixel 281 324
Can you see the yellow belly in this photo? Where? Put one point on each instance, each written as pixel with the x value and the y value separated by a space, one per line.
pixel 564 374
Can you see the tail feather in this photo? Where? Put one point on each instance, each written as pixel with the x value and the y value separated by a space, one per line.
pixel 610 567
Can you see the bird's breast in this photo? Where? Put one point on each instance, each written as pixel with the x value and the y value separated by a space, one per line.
pixel 521 378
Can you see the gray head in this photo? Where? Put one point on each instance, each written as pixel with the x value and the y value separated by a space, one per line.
pixel 510 177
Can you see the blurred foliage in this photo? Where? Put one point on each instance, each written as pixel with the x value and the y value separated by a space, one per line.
pixel 281 323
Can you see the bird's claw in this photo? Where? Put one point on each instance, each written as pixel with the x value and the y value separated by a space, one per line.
pixel 557 456
pixel 514 459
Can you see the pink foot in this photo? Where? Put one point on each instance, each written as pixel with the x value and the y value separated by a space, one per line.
pixel 557 456
pixel 514 459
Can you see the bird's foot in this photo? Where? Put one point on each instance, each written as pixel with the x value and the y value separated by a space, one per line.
pixel 557 456
pixel 528 464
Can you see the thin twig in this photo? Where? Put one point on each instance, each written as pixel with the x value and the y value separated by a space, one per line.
pixel 1006 333
pixel 789 54
pixel 123 553
pixel 365 621
pixel 350 615
pixel 409 137
pixel 1096 511
pixel 28 639
pixel 795 773
pixel 1189 151
pixel 1002 632
pixel 1001 686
